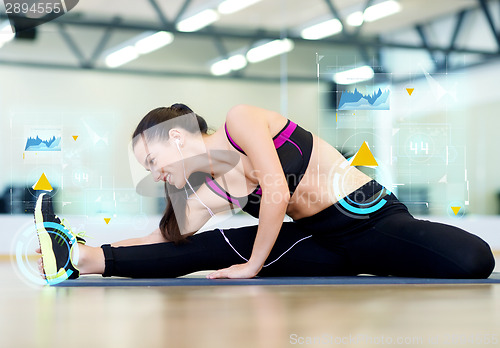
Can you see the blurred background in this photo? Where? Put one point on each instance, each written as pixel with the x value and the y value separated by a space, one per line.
pixel 416 80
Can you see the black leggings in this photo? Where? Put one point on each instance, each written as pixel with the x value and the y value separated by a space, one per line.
pixel 387 242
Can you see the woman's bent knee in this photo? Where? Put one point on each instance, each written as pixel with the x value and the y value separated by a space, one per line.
pixel 478 261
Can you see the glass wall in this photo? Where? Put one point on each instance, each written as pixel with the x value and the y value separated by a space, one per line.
pixel 408 123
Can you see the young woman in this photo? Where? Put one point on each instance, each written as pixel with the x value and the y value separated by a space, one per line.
pixel 357 224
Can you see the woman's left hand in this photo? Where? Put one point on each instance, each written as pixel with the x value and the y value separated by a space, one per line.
pixel 244 270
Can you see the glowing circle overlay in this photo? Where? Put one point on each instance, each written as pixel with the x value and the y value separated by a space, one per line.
pixel 362 210
pixel 20 247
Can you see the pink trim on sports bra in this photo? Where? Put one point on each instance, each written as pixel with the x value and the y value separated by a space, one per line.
pixel 284 136
pixel 217 189
pixel 232 141
pixel 278 140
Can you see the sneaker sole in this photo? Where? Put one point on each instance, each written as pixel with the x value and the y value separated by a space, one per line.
pixel 45 242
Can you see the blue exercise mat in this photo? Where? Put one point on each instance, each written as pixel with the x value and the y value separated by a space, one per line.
pixel 198 281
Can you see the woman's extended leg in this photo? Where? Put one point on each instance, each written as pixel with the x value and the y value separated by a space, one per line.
pixel 91 259
pixel 209 250
pixel 294 254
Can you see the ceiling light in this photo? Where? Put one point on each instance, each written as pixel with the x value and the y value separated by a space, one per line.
pixel 198 21
pixel 122 56
pixel 237 62
pixel 232 6
pixel 355 19
pixel 143 44
pixel 153 41
pixel 355 75
pixel 270 49
pixel 225 66
pixel 381 10
pixel 222 67
pixel 374 13
pixel 321 30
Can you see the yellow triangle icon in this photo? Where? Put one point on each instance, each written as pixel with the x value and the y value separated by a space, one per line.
pixel 42 184
pixel 410 90
pixel 107 220
pixel 456 210
pixel 364 157
pixel 75 137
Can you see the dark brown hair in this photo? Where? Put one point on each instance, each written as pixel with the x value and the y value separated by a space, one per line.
pixel 169 224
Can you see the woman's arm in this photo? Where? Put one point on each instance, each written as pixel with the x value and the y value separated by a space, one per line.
pixel 197 214
pixel 249 127
pixel 153 238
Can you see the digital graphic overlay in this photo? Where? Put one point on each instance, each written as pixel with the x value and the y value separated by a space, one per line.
pixel 417 135
pixel 37 144
pixel 26 241
pixel 362 202
pixel 355 100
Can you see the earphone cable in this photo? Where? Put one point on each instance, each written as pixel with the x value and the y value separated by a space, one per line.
pixel 221 231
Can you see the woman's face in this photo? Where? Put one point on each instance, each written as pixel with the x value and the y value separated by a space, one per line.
pixel 162 159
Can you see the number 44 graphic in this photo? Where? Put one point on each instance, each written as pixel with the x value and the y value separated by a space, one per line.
pixel 424 147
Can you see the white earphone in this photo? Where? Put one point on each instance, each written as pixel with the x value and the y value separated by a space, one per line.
pixel 177 142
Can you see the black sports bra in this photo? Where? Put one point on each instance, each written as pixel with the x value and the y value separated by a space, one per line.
pixel 294 146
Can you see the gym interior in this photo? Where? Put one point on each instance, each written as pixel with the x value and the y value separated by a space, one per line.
pixel 77 77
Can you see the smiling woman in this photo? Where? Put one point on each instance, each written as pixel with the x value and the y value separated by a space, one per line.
pixel 152 142
pixel 281 169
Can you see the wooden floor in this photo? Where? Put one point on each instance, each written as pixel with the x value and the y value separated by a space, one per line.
pixel 248 316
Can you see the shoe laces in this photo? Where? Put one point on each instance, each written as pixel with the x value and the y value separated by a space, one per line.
pixel 79 235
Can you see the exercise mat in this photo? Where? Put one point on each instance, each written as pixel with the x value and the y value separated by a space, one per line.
pixel 201 281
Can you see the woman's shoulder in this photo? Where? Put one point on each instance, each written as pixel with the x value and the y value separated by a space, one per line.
pixel 241 110
pixel 245 113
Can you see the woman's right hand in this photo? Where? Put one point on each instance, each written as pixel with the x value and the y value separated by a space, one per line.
pixel 40 262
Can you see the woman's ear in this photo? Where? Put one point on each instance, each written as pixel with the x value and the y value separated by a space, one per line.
pixel 176 136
